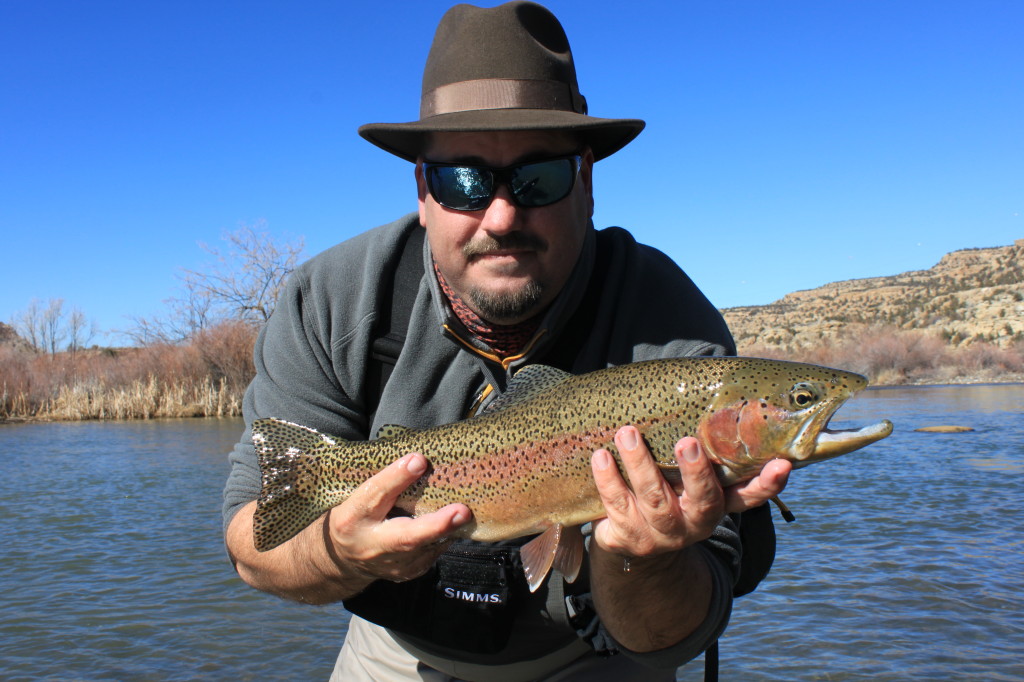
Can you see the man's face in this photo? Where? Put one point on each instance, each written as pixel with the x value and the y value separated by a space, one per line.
pixel 507 263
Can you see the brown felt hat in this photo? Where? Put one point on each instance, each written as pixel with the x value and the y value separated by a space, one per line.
pixel 505 68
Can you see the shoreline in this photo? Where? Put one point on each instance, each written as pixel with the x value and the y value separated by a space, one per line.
pixel 956 381
pixel 1014 380
pixel 47 419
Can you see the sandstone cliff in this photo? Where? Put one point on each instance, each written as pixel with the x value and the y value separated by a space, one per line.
pixel 970 295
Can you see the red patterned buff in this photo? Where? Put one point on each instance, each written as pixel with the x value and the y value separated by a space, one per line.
pixel 504 340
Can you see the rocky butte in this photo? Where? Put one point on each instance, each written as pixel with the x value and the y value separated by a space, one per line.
pixel 970 295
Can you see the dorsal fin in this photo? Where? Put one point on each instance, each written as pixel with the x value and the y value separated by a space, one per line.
pixel 528 382
pixel 392 430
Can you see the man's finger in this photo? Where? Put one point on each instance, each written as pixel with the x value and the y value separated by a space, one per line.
pixel 766 485
pixel 655 500
pixel 377 496
pixel 645 478
pixel 699 479
pixel 614 492
pixel 704 501
pixel 404 533
pixel 396 549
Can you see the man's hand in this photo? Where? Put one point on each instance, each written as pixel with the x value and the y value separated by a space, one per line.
pixel 647 517
pixel 652 588
pixel 354 544
pixel 360 536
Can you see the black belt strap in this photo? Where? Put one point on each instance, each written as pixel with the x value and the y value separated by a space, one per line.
pixel 389 337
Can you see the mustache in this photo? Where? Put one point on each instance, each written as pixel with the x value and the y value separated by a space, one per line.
pixel 493 244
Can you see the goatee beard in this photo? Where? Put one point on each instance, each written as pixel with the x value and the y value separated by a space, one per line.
pixel 508 307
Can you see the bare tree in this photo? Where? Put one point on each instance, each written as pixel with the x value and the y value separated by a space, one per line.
pixel 43 328
pixel 245 280
pixel 148 331
pixel 242 283
pixel 187 316
pixel 80 330
pixel 29 324
pixel 53 328
pixel 48 329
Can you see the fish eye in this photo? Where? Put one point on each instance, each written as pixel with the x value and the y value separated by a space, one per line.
pixel 803 396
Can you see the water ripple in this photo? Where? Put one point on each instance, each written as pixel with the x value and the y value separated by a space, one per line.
pixel 904 563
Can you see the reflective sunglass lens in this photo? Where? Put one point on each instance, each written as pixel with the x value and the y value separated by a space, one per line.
pixel 462 188
pixel 540 184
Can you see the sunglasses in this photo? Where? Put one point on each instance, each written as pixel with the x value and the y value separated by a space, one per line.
pixel 471 188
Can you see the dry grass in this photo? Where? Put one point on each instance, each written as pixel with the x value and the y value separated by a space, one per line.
pixel 205 378
pixel 891 356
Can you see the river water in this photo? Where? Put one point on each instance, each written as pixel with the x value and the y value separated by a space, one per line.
pixel 905 561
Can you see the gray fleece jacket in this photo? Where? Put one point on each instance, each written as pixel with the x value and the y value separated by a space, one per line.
pixel 312 362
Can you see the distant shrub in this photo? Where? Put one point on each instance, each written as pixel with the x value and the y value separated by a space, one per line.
pixel 980 357
pixel 888 355
pixel 227 351
pixel 206 377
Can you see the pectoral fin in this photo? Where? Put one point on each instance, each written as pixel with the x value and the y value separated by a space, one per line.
pixel 569 557
pixel 559 547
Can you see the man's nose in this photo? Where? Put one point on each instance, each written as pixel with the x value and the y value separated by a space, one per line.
pixel 502 216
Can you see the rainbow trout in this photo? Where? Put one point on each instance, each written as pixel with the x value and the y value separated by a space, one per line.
pixel 523 466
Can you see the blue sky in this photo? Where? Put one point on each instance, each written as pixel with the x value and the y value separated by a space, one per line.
pixel 788 144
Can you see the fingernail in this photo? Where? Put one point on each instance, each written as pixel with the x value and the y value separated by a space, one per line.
pixel 460 517
pixel 602 459
pixel 415 464
pixel 691 452
pixel 628 439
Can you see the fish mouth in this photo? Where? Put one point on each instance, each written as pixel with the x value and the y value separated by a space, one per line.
pixel 828 443
pixel 835 442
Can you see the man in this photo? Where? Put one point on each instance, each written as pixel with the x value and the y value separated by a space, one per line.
pixel 513 273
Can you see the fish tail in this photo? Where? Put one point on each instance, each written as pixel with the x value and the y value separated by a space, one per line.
pixel 290 469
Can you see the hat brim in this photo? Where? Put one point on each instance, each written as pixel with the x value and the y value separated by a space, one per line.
pixel 605 136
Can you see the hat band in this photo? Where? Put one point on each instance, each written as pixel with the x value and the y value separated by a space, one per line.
pixel 501 93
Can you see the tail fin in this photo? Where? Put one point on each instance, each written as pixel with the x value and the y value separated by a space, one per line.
pixel 289 498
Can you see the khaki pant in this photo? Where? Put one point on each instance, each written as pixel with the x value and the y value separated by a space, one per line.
pixel 371 654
